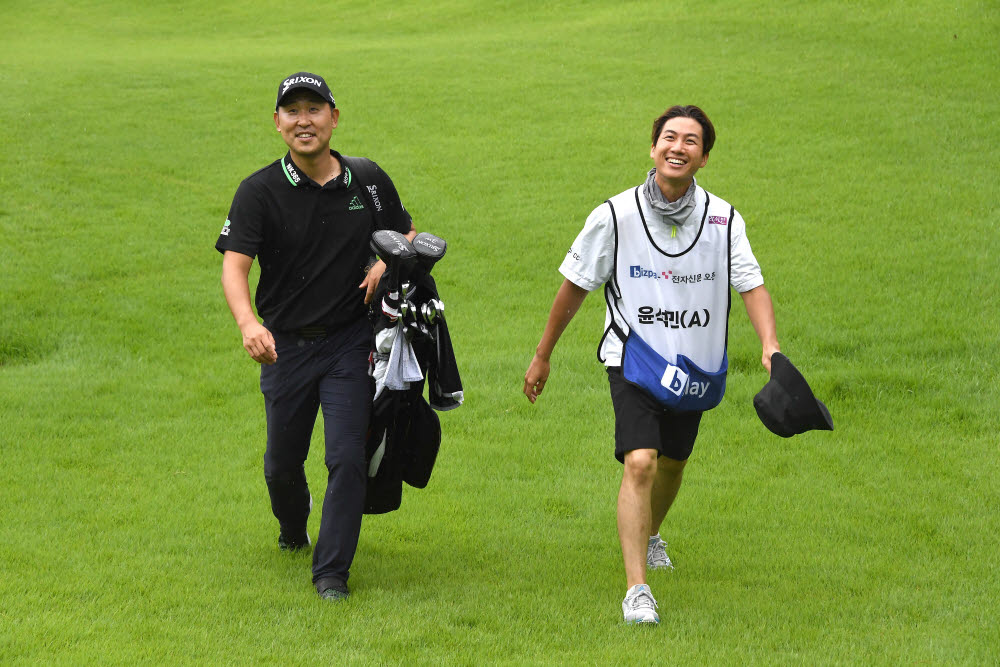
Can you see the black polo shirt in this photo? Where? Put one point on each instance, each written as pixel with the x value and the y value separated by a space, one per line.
pixel 311 241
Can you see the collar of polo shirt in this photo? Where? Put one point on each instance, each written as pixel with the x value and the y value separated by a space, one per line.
pixel 296 177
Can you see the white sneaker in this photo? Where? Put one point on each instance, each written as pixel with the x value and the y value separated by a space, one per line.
pixel 639 605
pixel 656 555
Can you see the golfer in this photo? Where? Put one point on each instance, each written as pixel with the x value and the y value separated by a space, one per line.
pixel 308 220
pixel 666 253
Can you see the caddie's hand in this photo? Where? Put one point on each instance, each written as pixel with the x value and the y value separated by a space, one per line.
pixel 766 358
pixel 535 378
pixel 371 281
pixel 259 343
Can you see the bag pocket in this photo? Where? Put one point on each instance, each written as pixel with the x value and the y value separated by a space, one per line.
pixel 683 386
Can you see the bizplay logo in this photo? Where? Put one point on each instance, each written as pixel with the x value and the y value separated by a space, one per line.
pixel 636 271
pixel 718 220
pixel 355 204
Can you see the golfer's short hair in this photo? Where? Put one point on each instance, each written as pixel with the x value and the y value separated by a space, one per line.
pixel 687 111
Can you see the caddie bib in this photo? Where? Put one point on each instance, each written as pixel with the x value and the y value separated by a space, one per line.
pixel 671 311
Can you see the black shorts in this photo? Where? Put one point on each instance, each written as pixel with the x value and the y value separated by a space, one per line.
pixel 642 423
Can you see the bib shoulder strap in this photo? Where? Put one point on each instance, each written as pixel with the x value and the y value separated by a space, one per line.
pixel 612 288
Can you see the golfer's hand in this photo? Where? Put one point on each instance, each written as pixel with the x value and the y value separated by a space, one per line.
pixel 372 280
pixel 259 343
pixel 534 379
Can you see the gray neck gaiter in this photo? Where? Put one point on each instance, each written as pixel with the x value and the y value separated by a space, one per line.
pixel 674 213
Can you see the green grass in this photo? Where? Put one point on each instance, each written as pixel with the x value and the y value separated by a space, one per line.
pixel 858 140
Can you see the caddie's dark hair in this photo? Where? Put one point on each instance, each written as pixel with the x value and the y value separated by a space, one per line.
pixel 687 111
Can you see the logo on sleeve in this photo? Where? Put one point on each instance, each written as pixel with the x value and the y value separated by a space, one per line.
pixel 225 228
pixel 355 205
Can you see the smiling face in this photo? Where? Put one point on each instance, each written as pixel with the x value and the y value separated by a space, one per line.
pixel 678 154
pixel 306 123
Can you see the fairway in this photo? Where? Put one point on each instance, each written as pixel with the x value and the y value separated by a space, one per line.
pixel 857 139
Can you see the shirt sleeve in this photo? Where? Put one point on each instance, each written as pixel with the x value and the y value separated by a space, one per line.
pixel 244 228
pixel 590 260
pixel 745 274
pixel 396 216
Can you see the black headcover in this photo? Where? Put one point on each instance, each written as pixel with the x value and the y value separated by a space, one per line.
pixel 429 249
pixel 786 404
pixel 395 250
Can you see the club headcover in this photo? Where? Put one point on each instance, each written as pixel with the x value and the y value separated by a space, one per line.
pixel 429 249
pixel 392 246
pixel 396 251
pixel 786 404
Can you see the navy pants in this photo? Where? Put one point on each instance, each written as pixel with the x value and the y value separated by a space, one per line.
pixel 331 372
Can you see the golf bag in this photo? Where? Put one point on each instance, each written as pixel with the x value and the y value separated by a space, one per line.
pixel 411 344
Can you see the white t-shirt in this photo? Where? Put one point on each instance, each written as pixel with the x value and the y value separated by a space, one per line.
pixel 590 261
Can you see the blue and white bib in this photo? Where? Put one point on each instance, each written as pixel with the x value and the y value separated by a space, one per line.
pixel 671 311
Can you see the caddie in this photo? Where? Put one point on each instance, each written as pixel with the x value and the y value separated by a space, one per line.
pixel 666 252
pixel 308 218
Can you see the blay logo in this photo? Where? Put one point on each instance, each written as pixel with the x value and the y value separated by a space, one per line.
pixel 355 205
pixel 718 220
pixel 225 228
pixel 373 191
pixel 636 271
pixel 677 382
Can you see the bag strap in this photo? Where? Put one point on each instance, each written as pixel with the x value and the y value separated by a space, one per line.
pixel 363 170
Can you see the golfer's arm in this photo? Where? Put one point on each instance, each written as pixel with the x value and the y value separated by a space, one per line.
pixel 568 300
pixel 761 313
pixel 236 286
